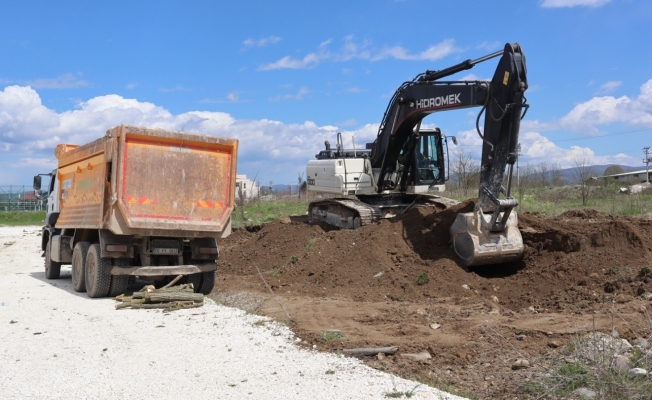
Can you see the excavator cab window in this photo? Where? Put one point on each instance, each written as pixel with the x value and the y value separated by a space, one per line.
pixel 428 159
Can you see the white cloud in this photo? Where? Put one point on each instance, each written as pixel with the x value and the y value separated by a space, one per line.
pixel 360 50
pixel 432 53
pixel 30 131
pixel 573 3
pixel 354 89
pixel 233 97
pixel 536 148
pixel 67 81
pixel 131 85
pixel 608 109
pixel 609 87
pixel 299 95
pixel 310 60
pixel 490 46
pixel 178 88
pixel 262 42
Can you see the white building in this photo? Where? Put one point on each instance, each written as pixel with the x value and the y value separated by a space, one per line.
pixel 248 187
pixel 629 177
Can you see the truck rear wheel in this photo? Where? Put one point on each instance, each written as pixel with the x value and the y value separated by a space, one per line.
pixel 79 255
pixel 98 281
pixel 52 268
pixel 119 283
pixel 195 279
pixel 207 282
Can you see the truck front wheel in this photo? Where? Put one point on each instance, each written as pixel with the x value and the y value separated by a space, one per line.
pixel 52 268
pixel 98 281
pixel 79 255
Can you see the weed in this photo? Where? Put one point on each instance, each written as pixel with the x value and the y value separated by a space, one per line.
pixel 612 270
pixel 274 272
pixel 330 372
pixel 395 394
pixel 12 321
pixel 422 279
pixel 311 242
pixel 292 260
pixel 332 335
pixel 644 272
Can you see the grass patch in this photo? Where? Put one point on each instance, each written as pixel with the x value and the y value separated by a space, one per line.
pixel 261 212
pixel 22 218
pixel 422 279
pixel 332 335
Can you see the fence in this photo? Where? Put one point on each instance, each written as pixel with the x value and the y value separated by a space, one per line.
pixel 21 198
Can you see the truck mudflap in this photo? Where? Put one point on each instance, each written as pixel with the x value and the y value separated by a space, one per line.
pixel 475 244
pixel 164 270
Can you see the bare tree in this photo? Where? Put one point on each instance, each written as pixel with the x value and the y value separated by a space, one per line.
pixel 556 177
pixel 542 174
pixel 465 171
pixel 300 180
pixel 582 174
pixel 526 179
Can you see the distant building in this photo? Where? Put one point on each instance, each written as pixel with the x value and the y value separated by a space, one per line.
pixel 248 187
pixel 627 177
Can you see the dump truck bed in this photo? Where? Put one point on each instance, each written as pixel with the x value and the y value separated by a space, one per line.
pixel 155 180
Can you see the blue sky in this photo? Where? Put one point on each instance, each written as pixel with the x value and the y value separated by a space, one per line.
pixel 285 76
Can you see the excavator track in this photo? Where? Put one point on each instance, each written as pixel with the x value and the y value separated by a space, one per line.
pixel 350 213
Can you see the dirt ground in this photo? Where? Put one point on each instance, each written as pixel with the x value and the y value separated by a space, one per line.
pixel 397 283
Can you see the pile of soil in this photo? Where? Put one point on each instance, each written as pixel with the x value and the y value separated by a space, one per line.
pixel 389 283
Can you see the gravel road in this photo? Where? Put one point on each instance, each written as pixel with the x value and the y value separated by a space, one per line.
pixel 56 343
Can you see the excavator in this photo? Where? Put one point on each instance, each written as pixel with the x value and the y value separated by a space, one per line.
pixel 406 163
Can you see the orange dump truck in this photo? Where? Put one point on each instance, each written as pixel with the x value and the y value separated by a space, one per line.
pixel 139 202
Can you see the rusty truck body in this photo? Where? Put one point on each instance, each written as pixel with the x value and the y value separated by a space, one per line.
pixel 139 202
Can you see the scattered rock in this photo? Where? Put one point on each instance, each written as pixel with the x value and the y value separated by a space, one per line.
pixel 494 299
pixel 465 286
pixel 381 356
pixel 647 295
pixel 641 343
pixel 620 364
pixel 585 393
pixel 435 326
pixel 378 275
pixel 520 364
pixel 520 337
pixel 636 373
pixel 424 355
pixel 554 344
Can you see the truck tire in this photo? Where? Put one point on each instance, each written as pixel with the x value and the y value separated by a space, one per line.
pixel 195 279
pixel 207 282
pixel 52 268
pixel 98 281
pixel 119 283
pixel 78 268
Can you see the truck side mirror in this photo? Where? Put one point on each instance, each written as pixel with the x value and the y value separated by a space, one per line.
pixel 454 139
pixel 37 182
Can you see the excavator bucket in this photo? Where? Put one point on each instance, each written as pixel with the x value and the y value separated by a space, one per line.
pixel 475 244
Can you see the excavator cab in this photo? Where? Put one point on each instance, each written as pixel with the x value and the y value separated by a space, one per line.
pixel 425 168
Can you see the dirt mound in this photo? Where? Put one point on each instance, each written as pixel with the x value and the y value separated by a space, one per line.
pixel 572 255
pixel 387 283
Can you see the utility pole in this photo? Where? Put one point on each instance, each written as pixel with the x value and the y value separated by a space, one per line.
pixel 647 162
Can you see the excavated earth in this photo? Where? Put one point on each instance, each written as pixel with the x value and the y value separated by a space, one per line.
pixel 397 283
